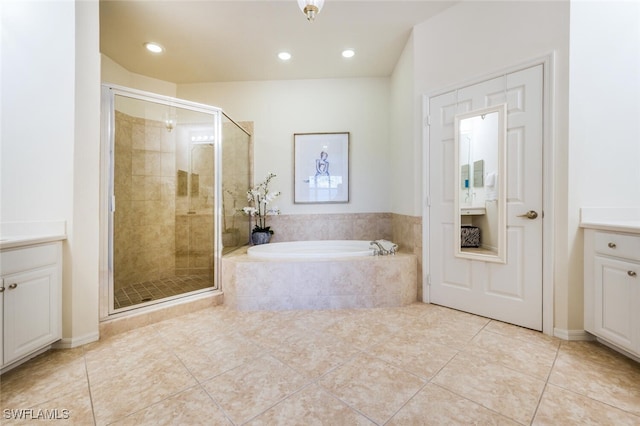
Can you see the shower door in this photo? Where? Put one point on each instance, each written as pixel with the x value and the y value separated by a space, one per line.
pixel 163 195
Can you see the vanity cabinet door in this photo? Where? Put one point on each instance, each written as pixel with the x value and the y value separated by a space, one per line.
pixel 617 302
pixel 31 312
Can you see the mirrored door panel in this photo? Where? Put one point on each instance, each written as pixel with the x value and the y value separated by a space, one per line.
pixel 479 200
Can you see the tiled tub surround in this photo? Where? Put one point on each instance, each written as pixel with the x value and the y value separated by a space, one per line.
pixel 404 230
pixel 352 226
pixel 356 282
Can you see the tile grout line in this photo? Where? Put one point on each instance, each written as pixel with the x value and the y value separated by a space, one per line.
pixel 86 372
pixel 316 381
pixel 198 382
pixel 546 384
pixel 458 352
pixel 159 336
pixel 572 391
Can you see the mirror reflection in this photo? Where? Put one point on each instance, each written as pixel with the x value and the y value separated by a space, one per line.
pixel 480 170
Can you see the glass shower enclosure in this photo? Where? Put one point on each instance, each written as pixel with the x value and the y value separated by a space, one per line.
pixel 163 214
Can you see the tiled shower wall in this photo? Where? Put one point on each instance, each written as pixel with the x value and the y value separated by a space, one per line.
pixel 194 210
pixel 144 186
pixel 158 231
pixel 194 244
pixel 237 149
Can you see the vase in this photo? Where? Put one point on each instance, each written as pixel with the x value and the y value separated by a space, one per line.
pixel 260 238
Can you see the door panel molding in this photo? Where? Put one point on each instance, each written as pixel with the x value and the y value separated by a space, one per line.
pixel 516 101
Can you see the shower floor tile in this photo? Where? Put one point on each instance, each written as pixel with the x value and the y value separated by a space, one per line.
pixel 147 291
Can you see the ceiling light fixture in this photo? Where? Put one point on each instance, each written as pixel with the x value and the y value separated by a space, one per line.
pixel 310 8
pixel 285 56
pixel 348 53
pixel 153 47
pixel 170 121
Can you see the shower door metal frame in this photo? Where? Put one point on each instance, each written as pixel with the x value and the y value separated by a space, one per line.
pixel 107 199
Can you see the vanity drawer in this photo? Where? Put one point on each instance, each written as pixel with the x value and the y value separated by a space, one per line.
pixel 618 245
pixel 27 258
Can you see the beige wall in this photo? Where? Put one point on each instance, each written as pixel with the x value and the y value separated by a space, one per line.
pixel 281 108
pixel 406 156
pixel 113 73
pixel 81 302
pixel 50 139
pixel 604 142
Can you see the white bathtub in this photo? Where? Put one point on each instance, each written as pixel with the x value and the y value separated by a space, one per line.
pixel 317 275
pixel 322 249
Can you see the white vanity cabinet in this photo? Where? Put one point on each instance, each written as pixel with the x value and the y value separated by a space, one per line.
pixel 612 287
pixel 31 298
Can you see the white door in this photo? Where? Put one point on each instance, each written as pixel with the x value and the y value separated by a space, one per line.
pixel 510 292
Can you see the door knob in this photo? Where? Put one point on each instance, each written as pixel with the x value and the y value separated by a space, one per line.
pixel 531 214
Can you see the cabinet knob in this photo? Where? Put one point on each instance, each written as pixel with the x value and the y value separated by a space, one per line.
pixel 1 289
pixel 612 245
pixel 631 273
pixel 12 286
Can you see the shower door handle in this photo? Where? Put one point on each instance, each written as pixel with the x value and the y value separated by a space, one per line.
pixel 531 214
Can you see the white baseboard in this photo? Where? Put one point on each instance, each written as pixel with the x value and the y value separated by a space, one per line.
pixel 564 334
pixel 73 342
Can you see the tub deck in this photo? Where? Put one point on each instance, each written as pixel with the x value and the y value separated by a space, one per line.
pixel 297 284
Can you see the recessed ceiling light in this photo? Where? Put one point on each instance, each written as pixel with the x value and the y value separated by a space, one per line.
pixel 348 53
pixel 154 47
pixel 285 56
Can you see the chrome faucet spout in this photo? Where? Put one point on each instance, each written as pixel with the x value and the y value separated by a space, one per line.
pixel 379 250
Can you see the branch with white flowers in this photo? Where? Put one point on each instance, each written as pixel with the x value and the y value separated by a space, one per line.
pixel 259 198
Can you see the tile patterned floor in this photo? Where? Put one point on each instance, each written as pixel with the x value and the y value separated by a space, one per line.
pixel 159 289
pixel 417 365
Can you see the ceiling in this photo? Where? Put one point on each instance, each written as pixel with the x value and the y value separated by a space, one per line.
pixel 217 41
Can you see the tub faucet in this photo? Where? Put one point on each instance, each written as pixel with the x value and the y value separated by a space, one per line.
pixel 378 251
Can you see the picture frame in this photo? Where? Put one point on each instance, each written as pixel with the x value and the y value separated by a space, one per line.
pixel 321 168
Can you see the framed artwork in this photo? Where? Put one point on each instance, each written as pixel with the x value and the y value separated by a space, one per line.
pixel 321 168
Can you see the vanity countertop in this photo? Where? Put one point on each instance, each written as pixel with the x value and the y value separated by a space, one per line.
pixel 27 240
pixel 472 211
pixel 611 219
pixel 22 234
